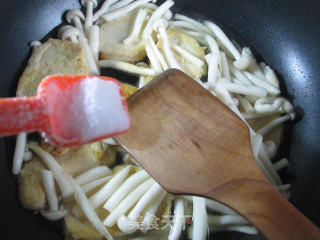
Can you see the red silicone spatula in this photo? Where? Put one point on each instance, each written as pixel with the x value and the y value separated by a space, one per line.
pixel 68 110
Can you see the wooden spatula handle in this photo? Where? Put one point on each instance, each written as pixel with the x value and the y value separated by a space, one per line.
pixel 22 114
pixel 261 204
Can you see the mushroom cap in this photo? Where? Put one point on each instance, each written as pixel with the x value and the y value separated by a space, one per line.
pixel 68 31
pixel 74 13
pixel 84 3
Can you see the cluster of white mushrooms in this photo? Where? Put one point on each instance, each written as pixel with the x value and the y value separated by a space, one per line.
pixel 250 89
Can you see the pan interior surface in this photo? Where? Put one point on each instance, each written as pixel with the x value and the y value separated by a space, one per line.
pixel 285 33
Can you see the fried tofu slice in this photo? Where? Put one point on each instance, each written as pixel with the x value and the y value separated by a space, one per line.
pixel 112 35
pixel 188 43
pixel 128 89
pixel 31 191
pixel 74 161
pixel 52 57
pixel 80 159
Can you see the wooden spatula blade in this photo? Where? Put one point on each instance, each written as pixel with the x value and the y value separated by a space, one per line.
pixel 189 134
pixel 191 143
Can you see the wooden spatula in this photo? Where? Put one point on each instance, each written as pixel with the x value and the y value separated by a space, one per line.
pixel 69 110
pixel 191 143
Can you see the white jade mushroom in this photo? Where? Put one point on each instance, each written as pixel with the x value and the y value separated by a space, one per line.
pixel 76 35
pixel 89 5
pixel 103 9
pixel 69 32
pixel 75 16
pixel 160 26
pixel 34 43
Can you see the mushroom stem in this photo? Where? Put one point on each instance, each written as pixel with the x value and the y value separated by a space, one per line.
pixel 50 190
pixel 132 182
pixel 107 190
pixel 35 43
pixel 282 163
pixel 151 211
pixel 240 89
pixel 237 228
pixel 88 211
pixel 89 15
pixel 271 76
pixel 54 215
pixel 158 54
pixel 224 40
pixel 189 56
pixel 75 16
pixel 120 4
pixel 69 32
pixel 93 68
pixel 268 104
pixel 269 166
pixel 92 185
pixel 136 27
pixel 213 68
pixel 58 173
pixel 155 64
pixel 103 9
pixel 18 152
pixel 224 66
pixel 178 220
pixel 120 12
pixel 225 220
pixel 129 224
pixel 127 67
pixel 272 124
pixel 94 34
pixel 160 26
pixel 157 14
pixel 27 156
pixel 200 219
pixel 262 83
pixel 127 203
pixel 245 104
pixel 93 174
pixel 213 47
pixel 78 24
pixel 240 76
pixel 197 25
pixel 270 148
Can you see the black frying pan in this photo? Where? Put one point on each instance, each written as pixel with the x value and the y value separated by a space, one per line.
pixel 285 32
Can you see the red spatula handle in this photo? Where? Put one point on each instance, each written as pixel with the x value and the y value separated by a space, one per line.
pixel 25 114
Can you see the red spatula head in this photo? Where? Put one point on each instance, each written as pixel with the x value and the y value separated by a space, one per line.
pixel 69 110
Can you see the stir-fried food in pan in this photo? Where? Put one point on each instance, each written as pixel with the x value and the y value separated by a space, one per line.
pixel 98 189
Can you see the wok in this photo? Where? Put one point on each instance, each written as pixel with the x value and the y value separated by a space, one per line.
pixel 286 33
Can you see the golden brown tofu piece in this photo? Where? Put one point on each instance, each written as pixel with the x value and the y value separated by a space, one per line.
pixel 31 190
pixel 81 228
pixel 188 43
pixel 52 57
pixel 112 35
pixel 53 150
pixel 79 159
pixel 128 89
